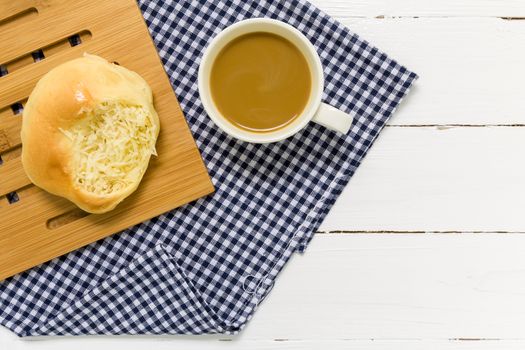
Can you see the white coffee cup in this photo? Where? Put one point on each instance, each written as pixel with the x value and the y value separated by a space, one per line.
pixel 315 110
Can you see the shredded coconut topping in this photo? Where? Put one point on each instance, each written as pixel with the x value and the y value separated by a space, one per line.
pixel 111 146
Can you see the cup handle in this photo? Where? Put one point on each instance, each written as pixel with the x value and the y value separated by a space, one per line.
pixel 332 118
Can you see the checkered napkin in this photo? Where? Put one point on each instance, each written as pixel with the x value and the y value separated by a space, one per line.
pixel 205 267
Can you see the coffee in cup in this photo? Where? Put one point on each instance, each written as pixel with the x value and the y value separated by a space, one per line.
pixel 260 82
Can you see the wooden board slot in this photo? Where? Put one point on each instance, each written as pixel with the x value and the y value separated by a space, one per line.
pixel 66 218
pixel 72 41
pixel 116 31
pixel 75 40
pixel 12 197
pixel 40 54
pixel 22 15
pixel 17 108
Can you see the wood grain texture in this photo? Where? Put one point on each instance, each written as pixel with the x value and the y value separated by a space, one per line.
pixel 12 10
pixel 116 31
pixel 13 177
pixel 10 133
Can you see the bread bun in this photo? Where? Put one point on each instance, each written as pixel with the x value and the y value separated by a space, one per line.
pixel 89 128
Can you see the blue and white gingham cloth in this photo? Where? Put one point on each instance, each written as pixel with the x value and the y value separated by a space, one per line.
pixel 204 268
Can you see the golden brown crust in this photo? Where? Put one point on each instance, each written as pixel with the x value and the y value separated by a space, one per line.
pixel 56 103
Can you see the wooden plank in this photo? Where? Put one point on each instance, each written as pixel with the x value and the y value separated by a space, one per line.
pixel 437 179
pixel 399 287
pixel 465 8
pixel 175 177
pixel 471 69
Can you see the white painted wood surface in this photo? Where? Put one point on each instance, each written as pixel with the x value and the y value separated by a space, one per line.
pixel 471 69
pixel 422 8
pixel 437 179
pixel 450 163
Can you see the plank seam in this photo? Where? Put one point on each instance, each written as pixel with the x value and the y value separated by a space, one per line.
pixel 386 17
pixel 444 126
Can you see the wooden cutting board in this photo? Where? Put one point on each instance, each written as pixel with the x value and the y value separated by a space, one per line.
pixel 37 35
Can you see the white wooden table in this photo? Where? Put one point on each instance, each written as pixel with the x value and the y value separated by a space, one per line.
pixel 425 249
